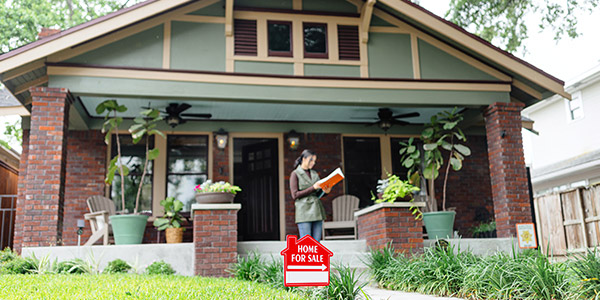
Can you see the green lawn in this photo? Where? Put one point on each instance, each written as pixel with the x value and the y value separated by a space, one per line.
pixel 133 287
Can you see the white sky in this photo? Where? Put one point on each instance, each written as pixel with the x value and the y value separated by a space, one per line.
pixel 564 60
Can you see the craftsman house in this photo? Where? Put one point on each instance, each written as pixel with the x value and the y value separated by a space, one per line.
pixel 265 72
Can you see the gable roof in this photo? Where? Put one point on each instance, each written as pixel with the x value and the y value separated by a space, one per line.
pixel 117 20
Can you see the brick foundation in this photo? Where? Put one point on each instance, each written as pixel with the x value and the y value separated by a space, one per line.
pixel 215 238
pixel 329 157
pixel 40 206
pixel 390 222
pixel 507 167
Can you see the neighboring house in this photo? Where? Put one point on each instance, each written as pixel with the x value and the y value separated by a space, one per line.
pixel 265 70
pixel 566 152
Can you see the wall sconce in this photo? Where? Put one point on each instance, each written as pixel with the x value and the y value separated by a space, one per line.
pixel 293 139
pixel 221 138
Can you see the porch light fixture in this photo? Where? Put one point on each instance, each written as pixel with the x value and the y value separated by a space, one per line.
pixel 221 138
pixel 293 139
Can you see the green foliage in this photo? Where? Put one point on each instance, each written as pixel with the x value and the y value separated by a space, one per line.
pixel 483 227
pixel 172 217
pixel 214 187
pixel 18 265
pixel 7 255
pixel 22 19
pixel 503 22
pixel 392 189
pixel 75 266
pixel 130 286
pixel 117 266
pixel 587 273
pixel 13 133
pixel 248 268
pixel 344 284
pixel 160 268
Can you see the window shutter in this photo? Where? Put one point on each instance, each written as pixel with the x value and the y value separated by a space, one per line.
pixel 348 42
pixel 245 37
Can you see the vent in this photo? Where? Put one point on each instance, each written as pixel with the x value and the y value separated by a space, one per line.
pixel 348 42
pixel 245 37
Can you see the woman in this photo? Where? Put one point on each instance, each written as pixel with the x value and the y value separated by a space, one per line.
pixel 310 212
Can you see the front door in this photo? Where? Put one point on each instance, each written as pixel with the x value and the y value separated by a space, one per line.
pixel 256 172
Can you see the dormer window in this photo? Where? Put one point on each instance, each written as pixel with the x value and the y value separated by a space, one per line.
pixel 315 40
pixel 280 38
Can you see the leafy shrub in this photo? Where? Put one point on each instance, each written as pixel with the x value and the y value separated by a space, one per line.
pixel 587 272
pixel 248 268
pixel 18 265
pixel 117 266
pixel 344 284
pixel 75 266
pixel 160 268
pixel 7 255
pixel 379 260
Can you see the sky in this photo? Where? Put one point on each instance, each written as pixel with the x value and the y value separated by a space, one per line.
pixel 564 59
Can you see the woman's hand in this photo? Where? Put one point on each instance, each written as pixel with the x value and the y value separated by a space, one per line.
pixel 316 186
pixel 327 190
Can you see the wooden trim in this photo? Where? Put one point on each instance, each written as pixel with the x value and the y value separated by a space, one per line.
pixel 27 85
pixel 199 19
pixel 22 70
pixel 527 89
pixel 262 40
pixel 389 29
pixel 297 5
pixel 228 17
pixel 332 42
pixel 298 69
pixel 280 160
pixel 312 61
pixel 166 63
pixel 386 155
pixel 292 11
pixel 365 19
pixel 478 45
pixel 106 37
pixel 414 47
pixel 229 49
pixel 258 79
pixel 14 110
pixel 159 180
pixel 296 16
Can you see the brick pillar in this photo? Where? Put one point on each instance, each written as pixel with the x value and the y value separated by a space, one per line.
pixel 215 238
pixel 221 162
pixel 507 167
pixel 39 217
pixel 18 233
pixel 391 222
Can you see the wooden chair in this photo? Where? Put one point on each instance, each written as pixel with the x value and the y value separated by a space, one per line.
pixel 343 216
pixel 100 209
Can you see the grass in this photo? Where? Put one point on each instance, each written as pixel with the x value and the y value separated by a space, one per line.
pixel 130 286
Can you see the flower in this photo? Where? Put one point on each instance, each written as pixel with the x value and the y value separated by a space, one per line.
pixel 216 187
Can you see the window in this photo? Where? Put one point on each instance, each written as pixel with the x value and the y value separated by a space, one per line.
pixel 187 166
pixel 575 107
pixel 132 156
pixel 315 40
pixel 280 38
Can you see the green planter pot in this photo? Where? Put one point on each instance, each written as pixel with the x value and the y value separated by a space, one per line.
pixel 439 224
pixel 128 229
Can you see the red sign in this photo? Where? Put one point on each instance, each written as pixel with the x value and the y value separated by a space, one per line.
pixel 306 262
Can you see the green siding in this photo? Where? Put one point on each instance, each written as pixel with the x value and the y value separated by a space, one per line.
pixel 437 64
pixel 282 4
pixel 144 49
pixel 216 10
pixel 341 6
pixel 390 55
pixel 377 21
pixel 264 68
pixel 331 70
pixel 275 94
pixel 198 46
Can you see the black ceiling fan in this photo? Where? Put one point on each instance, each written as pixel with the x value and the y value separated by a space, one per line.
pixel 386 118
pixel 174 114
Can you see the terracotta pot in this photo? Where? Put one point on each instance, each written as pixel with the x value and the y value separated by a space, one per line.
pixel 219 197
pixel 174 235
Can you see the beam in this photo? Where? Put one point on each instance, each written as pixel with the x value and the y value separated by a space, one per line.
pixel 25 86
pixel 527 89
pixel 14 73
pixel 228 17
pixel 365 19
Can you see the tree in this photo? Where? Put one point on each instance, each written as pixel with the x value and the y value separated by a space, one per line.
pixel 502 22
pixel 13 134
pixel 22 19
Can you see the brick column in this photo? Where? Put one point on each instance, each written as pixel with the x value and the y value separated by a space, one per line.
pixel 507 167
pixel 215 238
pixel 391 222
pixel 39 217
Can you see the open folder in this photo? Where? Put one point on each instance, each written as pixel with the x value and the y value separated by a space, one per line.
pixel 331 180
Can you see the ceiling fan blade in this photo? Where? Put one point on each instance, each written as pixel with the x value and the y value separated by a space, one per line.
pixel 408 115
pixel 197 115
pixel 401 123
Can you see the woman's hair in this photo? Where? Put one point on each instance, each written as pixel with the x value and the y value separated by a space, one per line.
pixel 305 153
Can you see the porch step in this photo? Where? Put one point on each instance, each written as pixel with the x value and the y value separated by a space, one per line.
pixel 351 253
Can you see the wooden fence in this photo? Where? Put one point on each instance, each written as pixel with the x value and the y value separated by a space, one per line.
pixel 8 204
pixel 568 222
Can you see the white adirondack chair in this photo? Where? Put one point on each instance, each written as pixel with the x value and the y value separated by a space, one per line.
pixel 100 209
pixel 344 207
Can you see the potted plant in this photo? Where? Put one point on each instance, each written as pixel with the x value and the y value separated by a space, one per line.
pixel 393 188
pixel 128 228
pixel 171 221
pixel 484 230
pixel 442 138
pixel 216 192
